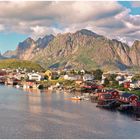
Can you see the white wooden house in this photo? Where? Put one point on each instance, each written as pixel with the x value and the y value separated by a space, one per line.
pixel 35 76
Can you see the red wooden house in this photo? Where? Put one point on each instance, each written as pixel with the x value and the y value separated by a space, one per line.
pixel 91 86
pixel 108 94
pixel 128 97
pixel 105 96
pixel 126 85
pixel 114 93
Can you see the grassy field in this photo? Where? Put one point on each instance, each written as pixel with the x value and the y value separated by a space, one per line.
pixel 14 63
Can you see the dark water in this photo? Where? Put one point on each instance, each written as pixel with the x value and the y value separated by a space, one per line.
pixel 49 115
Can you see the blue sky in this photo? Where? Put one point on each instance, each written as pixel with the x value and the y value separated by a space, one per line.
pixel 115 19
pixel 128 4
pixel 10 40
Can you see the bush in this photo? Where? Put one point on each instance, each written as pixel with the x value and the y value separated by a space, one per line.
pixel 98 74
pixel 106 82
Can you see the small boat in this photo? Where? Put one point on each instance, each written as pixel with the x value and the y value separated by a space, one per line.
pixel 137 119
pixel 17 86
pixel 75 98
pixel 108 104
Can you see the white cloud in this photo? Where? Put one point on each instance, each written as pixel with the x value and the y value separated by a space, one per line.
pixel 135 4
pixel 40 31
pixel 39 18
pixel 1 27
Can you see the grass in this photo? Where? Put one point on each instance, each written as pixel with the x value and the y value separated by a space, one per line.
pixel 137 92
pixel 14 64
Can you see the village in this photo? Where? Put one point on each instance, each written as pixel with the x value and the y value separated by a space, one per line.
pixel 109 90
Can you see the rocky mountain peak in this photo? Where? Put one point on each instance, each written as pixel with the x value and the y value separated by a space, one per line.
pixel 135 53
pixel 136 43
pixel 26 43
pixel 87 33
pixel 43 42
pixel 82 49
pixel 29 39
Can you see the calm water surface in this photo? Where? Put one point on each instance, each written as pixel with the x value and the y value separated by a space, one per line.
pixel 48 115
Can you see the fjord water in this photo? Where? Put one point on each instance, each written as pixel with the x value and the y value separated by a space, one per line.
pixel 45 114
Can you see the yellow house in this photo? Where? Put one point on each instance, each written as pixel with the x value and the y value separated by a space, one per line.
pixel 48 73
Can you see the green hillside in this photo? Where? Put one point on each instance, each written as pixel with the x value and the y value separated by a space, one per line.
pixel 14 63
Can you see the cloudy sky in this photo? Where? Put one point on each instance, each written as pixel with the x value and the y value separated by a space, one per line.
pixel 114 19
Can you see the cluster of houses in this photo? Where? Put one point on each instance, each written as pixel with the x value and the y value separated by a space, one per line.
pixel 113 99
pixel 123 97
pixel 10 76
pixel 17 76
pixel 123 78
pixel 87 83
pixel 30 79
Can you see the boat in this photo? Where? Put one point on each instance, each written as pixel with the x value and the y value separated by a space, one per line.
pixel 137 118
pixel 75 98
pixel 108 104
pixel 126 108
pixel 17 86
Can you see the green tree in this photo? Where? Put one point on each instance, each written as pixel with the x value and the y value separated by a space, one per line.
pixel 115 83
pixel 98 74
pixel 112 77
pixel 106 82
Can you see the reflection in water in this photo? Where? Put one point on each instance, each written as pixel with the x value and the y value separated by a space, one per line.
pixel 31 90
pixel 45 114
pixel 48 99
pixel 34 100
pixel 75 101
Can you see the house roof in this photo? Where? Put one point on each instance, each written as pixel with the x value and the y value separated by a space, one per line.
pixel 127 95
pixel 110 90
pixel 106 95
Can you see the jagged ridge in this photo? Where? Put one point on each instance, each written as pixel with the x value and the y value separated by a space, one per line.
pixel 82 49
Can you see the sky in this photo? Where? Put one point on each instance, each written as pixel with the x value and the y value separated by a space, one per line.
pixel 22 19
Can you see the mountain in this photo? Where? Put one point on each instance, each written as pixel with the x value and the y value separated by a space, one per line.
pixel 43 42
pixel 135 53
pixel 1 56
pixel 22 49
pixel 82 49
pixel 28 48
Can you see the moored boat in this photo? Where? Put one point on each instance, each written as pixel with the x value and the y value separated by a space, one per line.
pixel 108 104
pixel 126 108
pixel 75 98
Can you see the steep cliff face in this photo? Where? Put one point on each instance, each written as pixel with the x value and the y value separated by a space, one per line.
pixel 85 49
pixel 135 53
pixel 25 49
pixel 28 48
pixel 43 42
pixel 82 49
